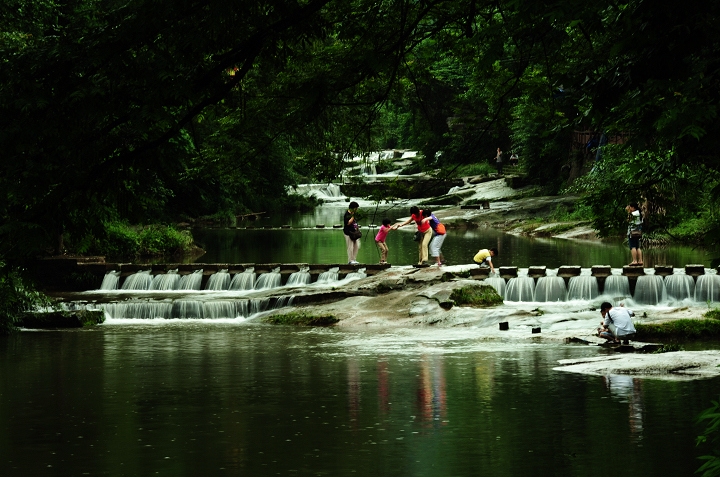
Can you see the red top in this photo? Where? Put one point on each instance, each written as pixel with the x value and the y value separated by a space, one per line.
pixel 422 227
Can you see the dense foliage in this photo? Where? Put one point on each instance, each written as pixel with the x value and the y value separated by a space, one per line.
pixel 151 111
pixel 16 297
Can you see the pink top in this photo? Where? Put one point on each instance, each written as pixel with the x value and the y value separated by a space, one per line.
pixel 422 227
pixel 382 233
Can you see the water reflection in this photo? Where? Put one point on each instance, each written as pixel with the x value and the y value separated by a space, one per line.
pixel 257 400
pixel 628 390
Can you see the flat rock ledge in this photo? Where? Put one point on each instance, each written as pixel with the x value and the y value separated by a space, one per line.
pixel 675 366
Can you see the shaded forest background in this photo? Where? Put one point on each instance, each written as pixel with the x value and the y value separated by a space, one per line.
pixel 150 112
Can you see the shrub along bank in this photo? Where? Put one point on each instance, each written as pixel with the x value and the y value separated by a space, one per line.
pixel 707 327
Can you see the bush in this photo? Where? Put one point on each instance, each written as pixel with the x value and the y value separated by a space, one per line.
pixel 475 169
pixel 711 467
pixel 679 329
pixel 17 297
pixel 713 314
pixel 163 240
pixel 120 241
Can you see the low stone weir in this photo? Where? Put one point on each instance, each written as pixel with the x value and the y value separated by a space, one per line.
pixel 651 286
pixel 73 274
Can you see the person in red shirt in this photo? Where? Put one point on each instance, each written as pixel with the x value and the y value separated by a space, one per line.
pixel 423 228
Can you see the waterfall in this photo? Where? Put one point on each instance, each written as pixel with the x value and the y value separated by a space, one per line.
pixel 192 281
pixel 299 278
pixel 138 309
pixel 356 275
pixel 329 276
pixel 283 301
pixel 218 281
pixel 679 286
pixel 650 290
pixel 707 288
pixel 187 309
pixel 138 281
pixel 617 286
pixel 497 283
pixel 110 281
pixel 223 309
pixel 269 280
pixel 520 289
pixel 583 287
pixel 258 305
pixel 166 281
pixel 331 190
pixel 550 289
pixel 244 280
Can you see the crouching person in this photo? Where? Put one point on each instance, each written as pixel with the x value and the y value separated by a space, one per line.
pixel 617 324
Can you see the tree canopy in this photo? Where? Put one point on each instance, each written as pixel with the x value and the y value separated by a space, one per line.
pixel 153 109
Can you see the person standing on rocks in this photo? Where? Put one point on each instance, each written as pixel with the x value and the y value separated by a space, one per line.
pixel 380 239
pixel 438 237
pixel 634 233
pixel 352 232
pixel 499 161
pixel 424 229
pixel 617 323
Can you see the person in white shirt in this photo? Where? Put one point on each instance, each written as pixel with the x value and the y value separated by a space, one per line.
pixel 617 323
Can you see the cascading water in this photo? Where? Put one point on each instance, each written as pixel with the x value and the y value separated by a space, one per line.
pixel 583 287
pixel 166 281
pixel 192 281
pixel 497 283
pixel 218 281
pixel 356 275
pixel 244 280
pixel 138 309
pixel 332 190
pixel 707 288
pixel 550 288
pixel 193 309
pixel 520 289
pixel 329 276
pixel 269 280
pixel 299 278
pixel 110 281
pixel 617 286
pixel 138 281
pixel 650 290
pixel 679 286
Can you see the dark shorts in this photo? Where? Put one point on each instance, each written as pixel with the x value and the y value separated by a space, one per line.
pixel 634 242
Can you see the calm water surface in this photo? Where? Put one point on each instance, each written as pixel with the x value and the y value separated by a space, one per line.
pixel 309 245
pixel 195 398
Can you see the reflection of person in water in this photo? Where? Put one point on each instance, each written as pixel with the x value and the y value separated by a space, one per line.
pixel 628 388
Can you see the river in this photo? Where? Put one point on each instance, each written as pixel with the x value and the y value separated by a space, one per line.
pixel 304 243
pixel 189 398
pixel 237 397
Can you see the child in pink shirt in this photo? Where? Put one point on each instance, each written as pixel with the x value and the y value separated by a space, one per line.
pixel 380 239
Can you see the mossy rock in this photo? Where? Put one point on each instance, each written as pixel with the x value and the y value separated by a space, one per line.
pixel 300 319
pixel 62 319
pixel 476 295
